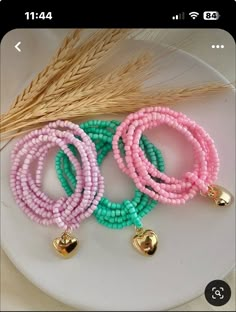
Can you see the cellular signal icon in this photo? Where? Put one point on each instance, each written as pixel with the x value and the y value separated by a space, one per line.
pixel 179 16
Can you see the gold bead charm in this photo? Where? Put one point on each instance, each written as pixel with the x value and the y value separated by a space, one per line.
pixel 220 195
pixel 66 245
pixel 145 241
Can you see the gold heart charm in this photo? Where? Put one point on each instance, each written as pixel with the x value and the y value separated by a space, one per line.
pixel 66 245
pixel 220 195
pixel 145 241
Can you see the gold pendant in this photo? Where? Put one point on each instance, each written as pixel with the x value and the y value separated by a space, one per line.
pixel 220 195
pixel 145 241
pixel 66 245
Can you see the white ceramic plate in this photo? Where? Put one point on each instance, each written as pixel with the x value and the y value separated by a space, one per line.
pixel 197 240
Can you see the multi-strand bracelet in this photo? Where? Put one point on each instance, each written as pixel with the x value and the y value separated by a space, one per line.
pixel 66 212
pixel 110 214
pixel 151 181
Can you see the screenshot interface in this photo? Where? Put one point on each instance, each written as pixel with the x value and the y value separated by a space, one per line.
pixel 117 158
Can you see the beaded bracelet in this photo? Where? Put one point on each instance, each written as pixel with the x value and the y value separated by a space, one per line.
pixel 109 214
pixel 169 189
pixel 66 212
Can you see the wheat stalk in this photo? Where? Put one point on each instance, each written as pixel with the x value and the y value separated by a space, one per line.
pixel 62 58
pixel 126 77
pixel 90 52
pixel 137 68
pixel 71 88
pixel 120 78
pixel 124 91
pixel 117 104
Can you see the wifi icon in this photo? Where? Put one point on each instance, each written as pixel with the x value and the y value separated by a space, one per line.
pixel 193 14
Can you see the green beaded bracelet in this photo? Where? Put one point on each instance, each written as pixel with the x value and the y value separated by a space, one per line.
pixel 107 213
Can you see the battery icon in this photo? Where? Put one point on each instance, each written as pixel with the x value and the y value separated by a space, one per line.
pixel 211 15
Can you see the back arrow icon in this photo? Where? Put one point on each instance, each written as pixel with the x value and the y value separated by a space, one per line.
pixel 17 46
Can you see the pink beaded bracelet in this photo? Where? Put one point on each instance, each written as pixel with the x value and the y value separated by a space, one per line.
pixel 66 212
pixel 156 184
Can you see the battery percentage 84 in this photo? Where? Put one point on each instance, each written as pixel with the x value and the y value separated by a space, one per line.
pixel 211 15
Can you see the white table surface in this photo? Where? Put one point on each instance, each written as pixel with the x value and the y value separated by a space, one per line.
pixel 17 293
